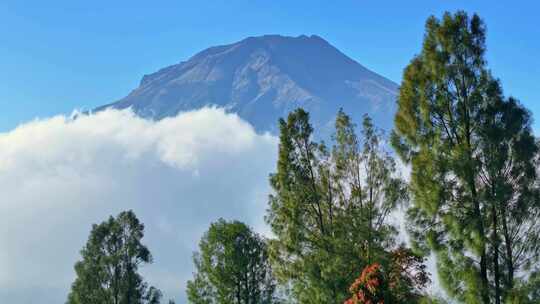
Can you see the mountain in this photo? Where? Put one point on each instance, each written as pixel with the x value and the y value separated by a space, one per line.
pixel 262 79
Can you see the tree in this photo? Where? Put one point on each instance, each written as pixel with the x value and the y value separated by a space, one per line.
pixel 402 281
pixel 370 287
pixel 108 271
pixel 472 158
pixel 329 210
pixel 231 267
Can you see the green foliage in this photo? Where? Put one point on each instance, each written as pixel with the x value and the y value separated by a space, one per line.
pixel 472 157
pixel 232 267
pixel 329 208
pixel 108 271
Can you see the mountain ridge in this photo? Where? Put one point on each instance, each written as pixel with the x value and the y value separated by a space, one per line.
pixel 262 78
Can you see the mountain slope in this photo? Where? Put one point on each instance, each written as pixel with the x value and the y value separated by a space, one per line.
pixel 262 79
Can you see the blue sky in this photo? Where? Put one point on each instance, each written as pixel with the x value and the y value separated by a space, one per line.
pixel 56 56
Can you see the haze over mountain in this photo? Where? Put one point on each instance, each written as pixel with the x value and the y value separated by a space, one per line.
pixel 262 79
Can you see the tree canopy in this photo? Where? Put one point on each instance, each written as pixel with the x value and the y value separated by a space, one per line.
pixel 330 207
pixel 108 271
pixel 472 155
pixel 231 267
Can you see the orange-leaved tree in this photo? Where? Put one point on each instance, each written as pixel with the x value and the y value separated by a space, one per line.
pixel 368 288
pixel 401 281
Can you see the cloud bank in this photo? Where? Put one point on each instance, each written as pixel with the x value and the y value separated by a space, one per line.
pixel 58 176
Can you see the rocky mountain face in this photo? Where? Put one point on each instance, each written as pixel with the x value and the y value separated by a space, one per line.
pixel 262 79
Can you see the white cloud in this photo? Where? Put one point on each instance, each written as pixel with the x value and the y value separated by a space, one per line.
pixel 60 175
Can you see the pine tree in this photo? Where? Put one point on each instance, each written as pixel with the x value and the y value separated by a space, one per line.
pixel 108 271
pixel 330 208
pixel 231 267
pixel 472 158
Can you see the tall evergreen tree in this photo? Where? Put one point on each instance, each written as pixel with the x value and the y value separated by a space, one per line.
pixel 108 271
pixel 329 211
pixel 231 267
pixel 472 157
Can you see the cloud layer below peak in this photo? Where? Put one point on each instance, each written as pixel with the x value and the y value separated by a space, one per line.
pixel 59 175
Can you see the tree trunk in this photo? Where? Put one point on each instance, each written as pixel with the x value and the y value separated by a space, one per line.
pixel 483 256
pixel 509 252
pixel 238 295
pixel 370 228
pixel 495 245
pixel 471 176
